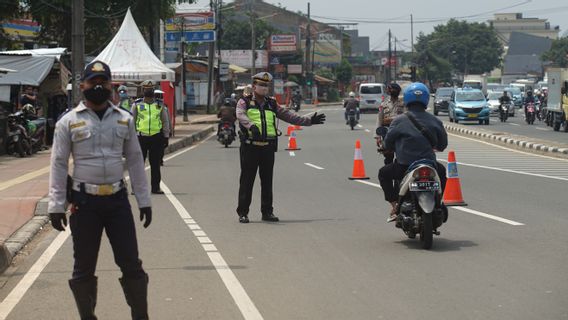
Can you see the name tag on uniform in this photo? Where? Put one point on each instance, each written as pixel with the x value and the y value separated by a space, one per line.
pixel 77 125
pixel 142 107
pixel 122 122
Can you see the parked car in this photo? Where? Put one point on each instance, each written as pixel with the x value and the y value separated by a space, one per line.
pixel 468 105
pixel 442 99
pixel 371 95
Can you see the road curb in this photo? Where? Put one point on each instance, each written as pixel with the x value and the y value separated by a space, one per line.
pixel 19 239
pixel 517 143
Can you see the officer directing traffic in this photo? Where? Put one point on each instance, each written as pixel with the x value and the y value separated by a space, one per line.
pixel 153 129
pixel 257 115
pixel 97 134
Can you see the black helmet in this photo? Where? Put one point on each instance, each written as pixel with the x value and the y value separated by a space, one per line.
pixel 393 89
pixel 529 93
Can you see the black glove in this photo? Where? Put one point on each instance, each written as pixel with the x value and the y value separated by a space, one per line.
pixel 255 132
pixel 166 142
pixel 58 220
pixel 146 212
pixel 318 118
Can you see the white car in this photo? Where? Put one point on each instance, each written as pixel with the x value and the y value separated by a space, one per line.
pixel 493 101
pixel 371 95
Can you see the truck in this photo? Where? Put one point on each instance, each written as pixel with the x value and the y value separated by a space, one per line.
pixel 476 81
pixel 555 113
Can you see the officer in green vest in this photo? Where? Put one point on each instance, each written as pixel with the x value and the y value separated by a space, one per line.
pixel 153 130
pixel 124 98
pixel 257 115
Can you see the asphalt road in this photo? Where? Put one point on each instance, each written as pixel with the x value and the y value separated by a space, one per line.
pixel 332 256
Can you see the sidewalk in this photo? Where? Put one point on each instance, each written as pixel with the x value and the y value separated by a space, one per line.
pixel 25 181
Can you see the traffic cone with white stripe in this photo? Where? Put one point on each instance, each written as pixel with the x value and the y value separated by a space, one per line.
pixel 290 129
pixel 358 165
pixel 452 193
pixel 292 146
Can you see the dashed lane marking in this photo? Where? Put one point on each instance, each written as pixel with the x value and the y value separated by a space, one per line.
pixel 313 166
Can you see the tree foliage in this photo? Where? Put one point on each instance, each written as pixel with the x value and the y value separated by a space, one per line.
pixel 558 53
pixel 467 48
pixel 237 34
pixel 344 72
pixel 8 10
pixel 102 19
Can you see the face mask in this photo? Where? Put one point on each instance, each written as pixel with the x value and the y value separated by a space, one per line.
pixel 149 93
pixel 123 95
pixel 97 94
pixel 261 91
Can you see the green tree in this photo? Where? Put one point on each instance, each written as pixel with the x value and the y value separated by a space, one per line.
pixel 344 72
pixel 558 53
pixel 8 10
pixel 237 34
pixel 326 73
pixel 470 48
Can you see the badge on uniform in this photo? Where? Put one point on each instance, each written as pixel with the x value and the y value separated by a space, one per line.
pixel 77 125
pixel 142 107
pixel 123 122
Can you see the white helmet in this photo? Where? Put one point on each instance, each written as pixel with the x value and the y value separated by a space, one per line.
pixel 351 94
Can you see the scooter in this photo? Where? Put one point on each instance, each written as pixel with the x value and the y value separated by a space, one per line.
pixel 531 113
pixel 226 134
pixel 419 207
pixel 504 112
pixel 17 141
pixel 36 130
pixel 352 118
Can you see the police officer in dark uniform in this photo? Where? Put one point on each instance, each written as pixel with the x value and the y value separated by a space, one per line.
pixel 97 134
pixel 153 128
pixel 257 115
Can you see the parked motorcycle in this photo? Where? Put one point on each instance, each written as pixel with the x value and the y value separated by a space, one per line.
pixel 226 134
pixel 17 141
pixel 420 208
pixel 352 119
pixel 35 128
pixel 531 113
pixel 504 111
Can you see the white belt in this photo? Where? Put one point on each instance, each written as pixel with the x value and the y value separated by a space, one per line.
pixel 99 189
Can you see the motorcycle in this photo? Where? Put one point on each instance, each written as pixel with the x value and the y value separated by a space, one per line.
pixel 420 208
pixel 531 113
pixel 504 112
pixel 226 134
pixel 35 129
pixel 352 118
pixel 17 140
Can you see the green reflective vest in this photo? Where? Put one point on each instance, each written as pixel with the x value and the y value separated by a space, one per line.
pixel 125 104
pixel 149 118
pixel 263 117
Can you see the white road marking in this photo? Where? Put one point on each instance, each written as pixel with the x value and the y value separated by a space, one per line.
pixel 543 129
pixel 489 216
pixel 14 297
pixel 240 296
pixel 478 213
pixel 367 130
pixel 30 277
pixel 359 126
pixel 292 154
pixel 514 124
pixel 313 166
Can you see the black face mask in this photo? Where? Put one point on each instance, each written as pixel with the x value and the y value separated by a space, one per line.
pixel 149 93
pixel 97 94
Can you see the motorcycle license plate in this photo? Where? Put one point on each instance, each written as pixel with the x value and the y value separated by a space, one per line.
pixel 473 115
pixel 424 186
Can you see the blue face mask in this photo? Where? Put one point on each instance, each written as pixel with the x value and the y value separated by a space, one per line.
pixel 123 95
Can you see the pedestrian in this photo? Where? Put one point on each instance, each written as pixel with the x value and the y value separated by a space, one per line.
pixel 28 97
pixel 153 127
pixel 97 134
pixel 257 115
pixel 125 102
pixel 388 110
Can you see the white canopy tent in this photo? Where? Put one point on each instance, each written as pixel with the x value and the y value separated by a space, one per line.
pixel 130 58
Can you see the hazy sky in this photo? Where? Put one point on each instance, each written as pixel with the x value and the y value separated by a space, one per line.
pixel 426 13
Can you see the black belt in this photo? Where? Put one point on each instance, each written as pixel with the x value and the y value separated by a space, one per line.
pixel 259 143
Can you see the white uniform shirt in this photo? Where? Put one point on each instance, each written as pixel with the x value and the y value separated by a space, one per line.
pixel 97 147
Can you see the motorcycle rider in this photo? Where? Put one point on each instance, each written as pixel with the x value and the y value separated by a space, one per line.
pixel 227 113
pixel 504 99
pixel 297 98
pixel 390 108
pixel 530 98
pixel 351 104
pixel 410 144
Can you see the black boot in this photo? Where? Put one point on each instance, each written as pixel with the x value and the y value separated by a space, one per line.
pixel 270 217
pixel 136 293
pixel 85 293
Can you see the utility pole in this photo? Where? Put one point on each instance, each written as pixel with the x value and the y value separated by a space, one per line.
pixel 308 45
pixel 211 66
pixel 219 35
pixel 389 61
pixel 78 47
pixel 183 77
pixel 253 39
pixel 395 59
pixel 412 35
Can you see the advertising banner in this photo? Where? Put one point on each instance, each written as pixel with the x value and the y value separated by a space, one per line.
pixel 243 58
pixel 191 21
pixel 283 43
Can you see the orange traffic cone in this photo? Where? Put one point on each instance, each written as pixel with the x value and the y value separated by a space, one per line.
pixel 292 146
pixel 296 127
pixel 452 193
pixel 358 165
pixel 290 129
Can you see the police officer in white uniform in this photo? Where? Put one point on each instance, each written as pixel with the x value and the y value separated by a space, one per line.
pixel 97 134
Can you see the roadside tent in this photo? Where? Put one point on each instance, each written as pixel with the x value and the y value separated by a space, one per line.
pixel 130 58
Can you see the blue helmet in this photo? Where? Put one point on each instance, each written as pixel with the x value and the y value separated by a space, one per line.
pixel 417 92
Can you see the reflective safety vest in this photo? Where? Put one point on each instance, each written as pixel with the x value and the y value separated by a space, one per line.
pixel 264 117
pixel 125 104
pixel 149 118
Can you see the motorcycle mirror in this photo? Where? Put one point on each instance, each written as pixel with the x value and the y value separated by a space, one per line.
pixel 382 131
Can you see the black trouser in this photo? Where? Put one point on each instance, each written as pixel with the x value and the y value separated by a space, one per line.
pixel 253 158
pixel 90 215
pixel 154 146
pixel 395 172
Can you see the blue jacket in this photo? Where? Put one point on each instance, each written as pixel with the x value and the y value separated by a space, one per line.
pixel 410 144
